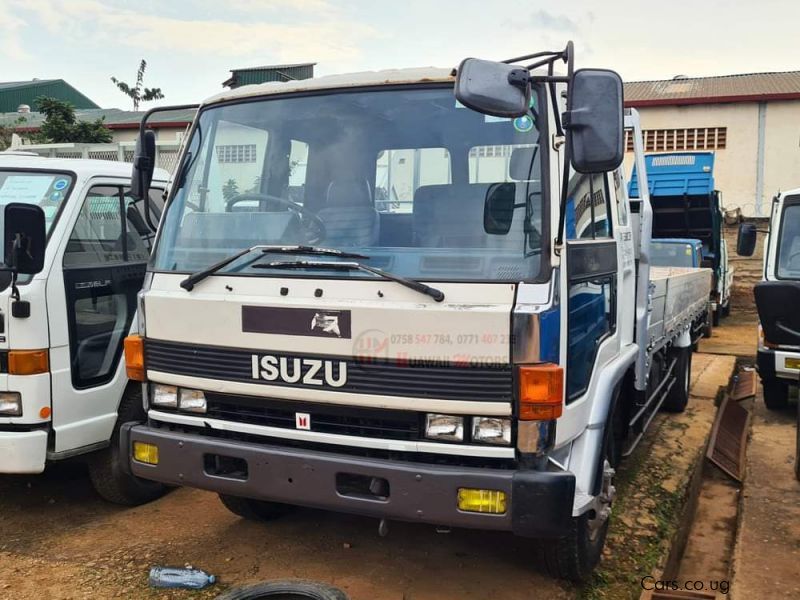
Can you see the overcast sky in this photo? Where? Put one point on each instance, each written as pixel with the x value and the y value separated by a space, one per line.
pixel 191 45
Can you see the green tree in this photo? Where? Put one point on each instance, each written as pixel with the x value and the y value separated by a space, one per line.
pixel 138 93
pixel 61 125
pixel 230 189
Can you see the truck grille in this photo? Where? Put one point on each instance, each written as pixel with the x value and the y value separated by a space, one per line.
pixel 374 423
pixel 381 377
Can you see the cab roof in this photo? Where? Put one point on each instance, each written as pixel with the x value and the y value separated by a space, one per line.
pixel 82 167
pixel 330 82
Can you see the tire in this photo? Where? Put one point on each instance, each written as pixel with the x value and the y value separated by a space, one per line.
pixel 776 394
pixel 726 310
pixel 110 481
pixel 285 590
pixel 678 395
pixel 575 556
pixel 716 316
pixel 797 447
pixel 254 510
pixel 708 330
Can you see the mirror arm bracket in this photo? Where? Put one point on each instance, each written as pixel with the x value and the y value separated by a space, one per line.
pixel 142 128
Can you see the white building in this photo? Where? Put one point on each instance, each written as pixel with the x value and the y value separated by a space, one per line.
pixel 751 122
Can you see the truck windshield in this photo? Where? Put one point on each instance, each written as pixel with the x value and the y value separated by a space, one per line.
pixel 407 177
pixel 789 240
pixel 664 254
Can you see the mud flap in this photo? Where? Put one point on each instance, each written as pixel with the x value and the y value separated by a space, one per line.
pixel 541 504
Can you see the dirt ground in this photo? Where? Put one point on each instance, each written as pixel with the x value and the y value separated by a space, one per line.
pixel 58 540
pixel 768 546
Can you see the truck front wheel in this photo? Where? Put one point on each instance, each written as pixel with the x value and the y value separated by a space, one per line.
pixel 105 467
pixel 575 556
pixel 776 393
pixel 253 510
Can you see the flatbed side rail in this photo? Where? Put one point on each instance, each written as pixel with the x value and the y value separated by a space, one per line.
pixel 643 305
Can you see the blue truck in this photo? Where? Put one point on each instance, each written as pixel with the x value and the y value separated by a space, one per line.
pixel 676 252
pixel 687 206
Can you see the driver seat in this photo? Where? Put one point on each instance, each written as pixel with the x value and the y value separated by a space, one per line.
pixel 349 214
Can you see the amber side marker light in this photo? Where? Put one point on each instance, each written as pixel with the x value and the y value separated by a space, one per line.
pixel 28 362
pixel 541 392
pixel 134 357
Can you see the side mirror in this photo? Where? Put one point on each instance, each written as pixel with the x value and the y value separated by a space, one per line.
pixel 24 238
pixel 746 240
pixel 493 88
pixel 498 209
pixel 594 120
pixel 144 163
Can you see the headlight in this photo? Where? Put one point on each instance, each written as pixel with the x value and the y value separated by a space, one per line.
pixel 491 430
pixel 10 404
pixel 192 400
pixel 164 395
pixel 447 428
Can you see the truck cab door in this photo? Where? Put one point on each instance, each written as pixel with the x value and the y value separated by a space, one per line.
pixel 599 264
pixel 104 263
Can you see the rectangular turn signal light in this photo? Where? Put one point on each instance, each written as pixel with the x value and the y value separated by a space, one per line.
pixel 28 362
pixel 134 357
pixel 541 392
pixel 482 501
pixel 145 453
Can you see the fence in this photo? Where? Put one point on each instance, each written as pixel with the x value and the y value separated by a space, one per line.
pixel 166 151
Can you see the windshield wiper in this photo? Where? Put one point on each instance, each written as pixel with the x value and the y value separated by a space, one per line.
pixel 417 286
pixel 189 283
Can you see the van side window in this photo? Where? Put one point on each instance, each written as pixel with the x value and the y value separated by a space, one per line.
pixel 104 264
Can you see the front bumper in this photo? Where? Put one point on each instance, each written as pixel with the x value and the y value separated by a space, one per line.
pixel 772 364
pixel 539 503
pixel 23 451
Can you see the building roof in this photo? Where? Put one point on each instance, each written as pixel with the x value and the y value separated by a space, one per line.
pixel 747 87
pixel 349 80
pixel 114 118
pixel 269 67
pixel 14 93
pixel 82 167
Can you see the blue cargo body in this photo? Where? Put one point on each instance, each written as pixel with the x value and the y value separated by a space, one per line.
pixel 678 174
pixel 685 203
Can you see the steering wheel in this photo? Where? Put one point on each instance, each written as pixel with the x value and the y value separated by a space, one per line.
pixel 311 223
pixel 792 257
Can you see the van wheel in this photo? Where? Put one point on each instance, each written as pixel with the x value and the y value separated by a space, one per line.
pixel 576 555
pixel 776 394
pixel 678 395
pixel 254 510
pixel 285 590
pixel 105 467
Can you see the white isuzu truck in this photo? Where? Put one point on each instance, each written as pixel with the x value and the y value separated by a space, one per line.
pixel 75 250
pixel 777 297
pixel 413 295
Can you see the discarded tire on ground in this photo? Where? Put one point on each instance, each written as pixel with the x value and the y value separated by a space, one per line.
pixel 285 590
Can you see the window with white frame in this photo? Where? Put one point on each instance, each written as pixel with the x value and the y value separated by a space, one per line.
pixel 236 153
pixel 692 138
